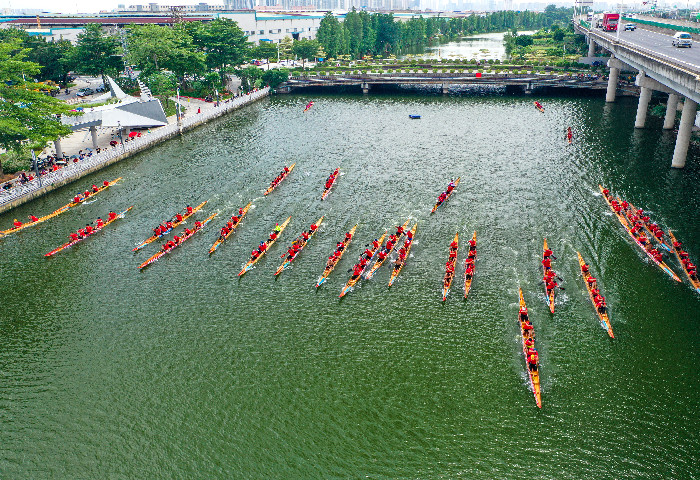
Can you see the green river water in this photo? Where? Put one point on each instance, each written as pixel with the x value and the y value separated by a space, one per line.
pixel 184 370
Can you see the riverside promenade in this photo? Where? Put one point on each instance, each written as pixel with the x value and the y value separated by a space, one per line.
pixel 73 171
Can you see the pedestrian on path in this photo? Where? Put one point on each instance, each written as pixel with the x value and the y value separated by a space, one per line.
pixel 199 110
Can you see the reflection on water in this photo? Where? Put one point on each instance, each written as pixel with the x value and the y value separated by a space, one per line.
pixel 484 46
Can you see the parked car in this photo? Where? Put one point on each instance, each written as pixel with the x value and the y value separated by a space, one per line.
pixel 682 39
pixel 84 92
pixel 630 26
pixel 100 89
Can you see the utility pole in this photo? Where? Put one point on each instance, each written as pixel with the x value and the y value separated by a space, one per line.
pixel 179 115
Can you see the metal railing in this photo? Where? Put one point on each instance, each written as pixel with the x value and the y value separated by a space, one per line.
pixel 75 170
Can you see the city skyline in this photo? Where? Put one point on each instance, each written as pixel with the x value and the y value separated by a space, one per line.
pixel 85 6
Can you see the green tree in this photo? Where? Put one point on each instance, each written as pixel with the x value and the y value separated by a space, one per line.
pixel 150 46
pixel 154 48
pixel 224 44
pixel 285 47
pixel 160 83
pixel 54 57
pixel 95 53
pixel 266 51
pixel 26 114
pixel 251 76
pixel 353 27
pixel 523 40
pixel 305 49
pixel 275 76
pixel 330 35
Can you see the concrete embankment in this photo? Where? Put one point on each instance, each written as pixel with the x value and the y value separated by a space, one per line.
pixel 74 171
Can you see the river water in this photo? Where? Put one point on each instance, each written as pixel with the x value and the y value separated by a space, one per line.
pixel 185 370
pixel 482 46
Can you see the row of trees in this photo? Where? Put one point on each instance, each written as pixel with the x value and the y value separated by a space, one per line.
pixel 27 116
pixel 363 33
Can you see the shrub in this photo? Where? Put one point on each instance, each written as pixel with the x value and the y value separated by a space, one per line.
pixel 13 162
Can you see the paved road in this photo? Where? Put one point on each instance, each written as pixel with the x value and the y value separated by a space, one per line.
pixel 658 43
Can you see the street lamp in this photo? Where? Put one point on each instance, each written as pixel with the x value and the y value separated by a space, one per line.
pixel 119 125
pixel 619 19
pixel 35 164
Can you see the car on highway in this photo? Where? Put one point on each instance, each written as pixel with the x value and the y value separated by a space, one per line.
pixel 682 39
pixel 630 26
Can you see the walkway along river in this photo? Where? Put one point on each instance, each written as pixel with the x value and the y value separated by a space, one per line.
pixel 185 370
pixel 73 171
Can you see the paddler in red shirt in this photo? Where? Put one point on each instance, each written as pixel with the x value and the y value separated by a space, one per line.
pixel 76 199
pixel 81 233
pixel 469 271
pixel 523 314
pixel 73 236
pixel 33 218
pixel 532 359
pixel 95 188
pixel 105 183
pixel 100 223
pixel 547 263
pixel 157 231
pixel 112 215
pixel 357 271
pixel 88 229
pixel 178 217
pixel 189 210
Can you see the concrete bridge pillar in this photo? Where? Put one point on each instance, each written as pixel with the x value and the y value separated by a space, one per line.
pixel 365 87
pixel 445 88
pixel 591 47
pixel 612 85
pixel 684 131
pixel 93 133
pixel 671 108
pixel 59 150
pixel 615 66
pixel 642 106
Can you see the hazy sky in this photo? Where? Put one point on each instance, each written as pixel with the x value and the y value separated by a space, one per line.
pixel 66 6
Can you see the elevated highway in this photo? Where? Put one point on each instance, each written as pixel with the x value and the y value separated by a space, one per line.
pixel 661 67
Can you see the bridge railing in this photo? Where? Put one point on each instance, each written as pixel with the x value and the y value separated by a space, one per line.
pixel 670 62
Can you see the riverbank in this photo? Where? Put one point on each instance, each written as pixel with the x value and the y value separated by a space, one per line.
pixel 24 193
